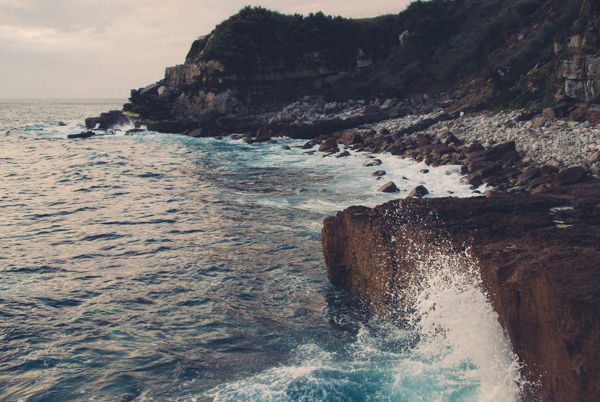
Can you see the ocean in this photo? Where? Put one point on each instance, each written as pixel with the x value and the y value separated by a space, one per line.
pixel 155 267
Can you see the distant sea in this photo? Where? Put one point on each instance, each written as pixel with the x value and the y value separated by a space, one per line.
pixel 159 267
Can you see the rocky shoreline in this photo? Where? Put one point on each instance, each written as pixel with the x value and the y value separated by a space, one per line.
pixel 524 150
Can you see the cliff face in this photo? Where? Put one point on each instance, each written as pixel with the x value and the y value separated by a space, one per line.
pixel 217 91
pixel 580 67
pixel 539 266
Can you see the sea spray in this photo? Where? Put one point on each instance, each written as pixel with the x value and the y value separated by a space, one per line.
pixel 458 328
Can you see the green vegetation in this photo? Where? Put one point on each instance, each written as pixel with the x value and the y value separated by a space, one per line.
pixel 256 36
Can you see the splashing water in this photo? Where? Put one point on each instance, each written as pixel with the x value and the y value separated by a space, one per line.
pixel 452 349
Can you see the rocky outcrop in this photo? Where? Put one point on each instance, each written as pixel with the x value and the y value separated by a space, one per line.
pixel 581 67
pixel 538 257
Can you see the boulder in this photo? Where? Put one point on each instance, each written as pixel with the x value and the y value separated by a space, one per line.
pixel 389 187
pixel 530 173
pixel 492 154
pixel 436 150
pixel 378 173
pixel 343 154
pixel 419 192
pixel 108 120
pixel 83 134
pixel 474 179
pixel 350 138
pixel 329 145
pixel 372 162
pixel 570 175
pixel 370 109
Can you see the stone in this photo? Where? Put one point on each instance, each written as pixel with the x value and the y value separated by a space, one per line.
pixel 492 154
pixel 83 134
pixel 570 175
pixel 419 192
pixel 372 162
pixel 197 132
pixel 350 138
pixel 530 173
pixel 108 120
pixel 436 150
pixel 389 187
pixel 474 147
pixel 474 179
pixel 548 169
pixel 541 180
pixel 484 168
pixel 329 145
pixel 370 109
pixel 378 173
pixel 388 104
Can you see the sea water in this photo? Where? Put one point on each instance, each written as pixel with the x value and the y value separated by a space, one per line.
pixel 160 267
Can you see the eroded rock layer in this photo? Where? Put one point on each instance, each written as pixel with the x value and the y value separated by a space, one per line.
pixel 539 261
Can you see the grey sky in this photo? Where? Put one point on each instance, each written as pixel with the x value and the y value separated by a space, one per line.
pixel 103 48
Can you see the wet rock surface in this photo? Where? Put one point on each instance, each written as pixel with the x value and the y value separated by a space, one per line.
pixel 538 257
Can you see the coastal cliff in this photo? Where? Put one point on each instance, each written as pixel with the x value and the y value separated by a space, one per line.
pixel 538 260
pixel 467 55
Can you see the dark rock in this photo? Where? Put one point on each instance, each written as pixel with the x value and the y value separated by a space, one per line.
pixel 343 154
pixel 530 173
pixel 419 192
pixel 108 120
pixel 450 138
pixel 511 157
pixel 371 109
pixel 196 133
pixel 378 173
pixel 484 168
pixel 475 147
pixel 474 179
pixel 570 175
pixel 436 150
pixel 83 134
pixel 350 138
pixel 389 187
pixel 548 169
pixel 330 145
pixel 308 145
pixel 424 171
pixel 286 148
pixel 492 154
pixel 134 131
pixel 541 180
pixel 422 142
pixel 543 280
pixel 372 162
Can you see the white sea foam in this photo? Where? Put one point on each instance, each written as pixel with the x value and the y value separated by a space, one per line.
pixel 459 329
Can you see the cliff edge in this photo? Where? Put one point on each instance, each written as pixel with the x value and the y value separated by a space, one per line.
pixel 538 259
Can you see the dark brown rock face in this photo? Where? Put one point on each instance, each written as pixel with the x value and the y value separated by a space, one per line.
pixel 538 257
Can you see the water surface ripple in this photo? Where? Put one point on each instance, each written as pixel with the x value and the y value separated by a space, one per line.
pixel 159 267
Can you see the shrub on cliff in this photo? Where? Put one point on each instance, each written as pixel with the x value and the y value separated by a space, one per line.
pixel 256 37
